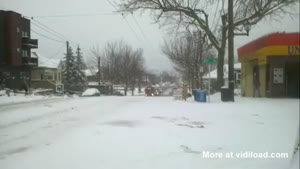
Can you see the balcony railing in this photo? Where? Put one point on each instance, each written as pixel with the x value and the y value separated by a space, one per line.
pixel 29 43
pixel 30 61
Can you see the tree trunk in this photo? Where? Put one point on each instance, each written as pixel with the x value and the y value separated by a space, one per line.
pixel 132 90
pixel 221 55
pixel 112 89
pixel 140 86
pixel 125 89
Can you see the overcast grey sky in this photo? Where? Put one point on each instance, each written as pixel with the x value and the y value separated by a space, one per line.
pixel 102 25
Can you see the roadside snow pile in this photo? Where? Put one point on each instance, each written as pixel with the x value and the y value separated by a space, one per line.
pixel 168 92
pixel 2 92
pixel 91 92
pixel 295 161
pixel 21 98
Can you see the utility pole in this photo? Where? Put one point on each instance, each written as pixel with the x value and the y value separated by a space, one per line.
pixel 198 55
pixel 67 62
pixel 231 50
pixel 99 70
pixel 201 69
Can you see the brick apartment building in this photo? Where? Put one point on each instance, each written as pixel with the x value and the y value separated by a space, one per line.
pixel 15 50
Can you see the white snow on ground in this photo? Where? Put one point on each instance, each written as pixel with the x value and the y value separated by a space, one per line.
pixel 146 133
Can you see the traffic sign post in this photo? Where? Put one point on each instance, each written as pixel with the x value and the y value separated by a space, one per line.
pixel 209 61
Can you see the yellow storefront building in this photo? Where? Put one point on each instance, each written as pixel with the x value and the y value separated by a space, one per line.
pixel 270 66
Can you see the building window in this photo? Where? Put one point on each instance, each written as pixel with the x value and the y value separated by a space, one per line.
pixel 24 53
pixel 24 34
pixel 18 29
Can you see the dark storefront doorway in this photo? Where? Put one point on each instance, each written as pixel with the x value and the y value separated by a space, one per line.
pixel 292 79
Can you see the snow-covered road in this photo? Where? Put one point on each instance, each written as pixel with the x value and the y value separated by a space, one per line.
pixel 143 132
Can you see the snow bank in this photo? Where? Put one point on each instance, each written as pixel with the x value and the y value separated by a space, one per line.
pixel 91 92
pixel 2 92
pixel 295 161
pixel 20 98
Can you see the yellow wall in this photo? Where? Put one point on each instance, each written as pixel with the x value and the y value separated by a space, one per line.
pixel 247 79
pixel 262 80
pixel 259 58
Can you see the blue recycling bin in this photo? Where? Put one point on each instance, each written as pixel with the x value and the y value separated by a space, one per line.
pixel 200 96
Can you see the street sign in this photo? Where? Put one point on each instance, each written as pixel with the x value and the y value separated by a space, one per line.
pixel 209 61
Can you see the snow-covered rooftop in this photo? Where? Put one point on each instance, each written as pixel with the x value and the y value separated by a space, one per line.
pixel 102 83
pixel 90 72
pixel 45 62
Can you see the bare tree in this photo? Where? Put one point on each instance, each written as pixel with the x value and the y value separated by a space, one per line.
pixel 182 53
pixel 92 58
pixel 137 69
pixel 194 13
pixel 132 68
pixel 120 64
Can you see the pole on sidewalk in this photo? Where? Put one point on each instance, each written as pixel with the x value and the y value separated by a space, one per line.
pixel 209 69
pixel 99 71
pixel 231 49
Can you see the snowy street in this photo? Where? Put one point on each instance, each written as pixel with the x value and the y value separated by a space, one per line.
pixel 145 133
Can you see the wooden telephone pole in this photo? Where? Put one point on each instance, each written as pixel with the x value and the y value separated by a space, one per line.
pixel 99 70
pixel 230 50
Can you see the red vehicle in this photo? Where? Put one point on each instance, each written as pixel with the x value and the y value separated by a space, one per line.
pixel 152 91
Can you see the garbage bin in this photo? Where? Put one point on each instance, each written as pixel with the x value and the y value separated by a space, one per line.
pixel 226 94
pixel 194 94
pixel 200 96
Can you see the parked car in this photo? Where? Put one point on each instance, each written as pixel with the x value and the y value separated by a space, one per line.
pixel 91 92
pixel 118 93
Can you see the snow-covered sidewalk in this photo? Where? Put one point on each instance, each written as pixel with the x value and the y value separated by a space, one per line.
pixel 147 133
pixel 22 98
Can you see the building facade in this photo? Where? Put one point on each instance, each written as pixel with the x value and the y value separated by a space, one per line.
pixel 48 75
pixel 15 50
pixel 47 78
pixel 270 66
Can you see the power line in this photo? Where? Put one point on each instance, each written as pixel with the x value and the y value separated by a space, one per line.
pixel 112 4
pixel 139 26
pixel 131 29
pixel 74 15
pixel 125 20
pixel 59 50
pixel 213 21
pixel 47 27
pixel 47 36
pixel 47 31
pixel 52 30
pixel 135 20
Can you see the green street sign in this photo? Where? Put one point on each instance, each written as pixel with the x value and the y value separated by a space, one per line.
pixel 209 61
